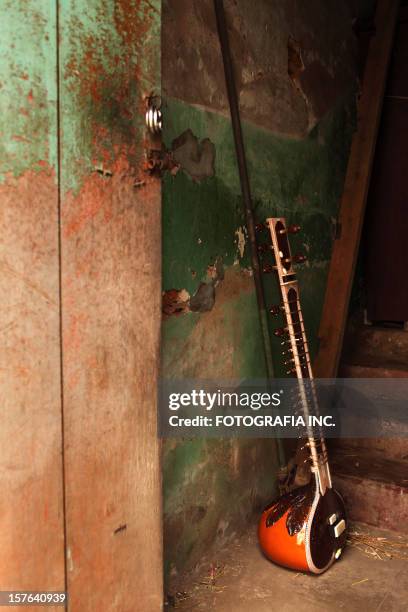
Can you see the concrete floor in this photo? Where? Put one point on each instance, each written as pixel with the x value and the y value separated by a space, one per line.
pixel 244 581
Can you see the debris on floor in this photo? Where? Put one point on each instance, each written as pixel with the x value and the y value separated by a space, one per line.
pixel 238 577
pixel 380 547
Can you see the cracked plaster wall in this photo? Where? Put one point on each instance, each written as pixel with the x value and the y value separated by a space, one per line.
pixel 297 126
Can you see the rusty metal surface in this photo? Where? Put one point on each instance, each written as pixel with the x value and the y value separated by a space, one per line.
pixel 111 289
pixel 31 512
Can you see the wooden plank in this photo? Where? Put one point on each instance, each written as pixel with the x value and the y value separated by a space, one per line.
pixel 352 206
pixel 111 295
pixel 31 500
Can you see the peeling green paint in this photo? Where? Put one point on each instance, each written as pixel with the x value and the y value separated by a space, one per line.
pixel 28 87
pixel 110 270
pixel 299 179
pixel 100 84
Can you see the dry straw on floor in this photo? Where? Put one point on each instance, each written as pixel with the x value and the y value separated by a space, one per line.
pixel 379 547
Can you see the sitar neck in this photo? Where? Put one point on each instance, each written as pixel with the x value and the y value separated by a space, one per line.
pixel 294 341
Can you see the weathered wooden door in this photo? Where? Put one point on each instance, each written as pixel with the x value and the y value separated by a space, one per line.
pixel 31 499
pixel 80 292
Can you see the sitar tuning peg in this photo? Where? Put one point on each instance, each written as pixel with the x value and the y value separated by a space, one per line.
pixel 263 248
pixel 290 229
pixel 275 310
pixel 295 259
pixel 279 331
pixel 293 229
pixel 268 268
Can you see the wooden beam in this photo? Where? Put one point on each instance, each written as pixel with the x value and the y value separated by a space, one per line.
pixel 111 305
pixel 352 206
pixel 31 501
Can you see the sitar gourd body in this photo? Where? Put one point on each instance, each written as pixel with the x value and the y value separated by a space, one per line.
pixel 304 529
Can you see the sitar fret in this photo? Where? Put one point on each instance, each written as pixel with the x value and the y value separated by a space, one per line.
pixel 297 341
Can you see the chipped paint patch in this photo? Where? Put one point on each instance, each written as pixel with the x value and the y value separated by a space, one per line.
pixel 210 349
pixel 204 298
pixel 108 59
pixel 196 158
pixel 178 301
pixel 175 302
pixel 215 271
pixel 241 240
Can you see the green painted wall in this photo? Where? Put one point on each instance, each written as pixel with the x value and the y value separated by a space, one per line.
pixel 299 179
pixel 206 495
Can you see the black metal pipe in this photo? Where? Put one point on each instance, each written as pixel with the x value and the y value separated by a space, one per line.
pixel 245 187
pixel 243 176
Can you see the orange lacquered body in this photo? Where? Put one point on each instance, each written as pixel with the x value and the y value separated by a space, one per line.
pixel 280 547
pixel 304 530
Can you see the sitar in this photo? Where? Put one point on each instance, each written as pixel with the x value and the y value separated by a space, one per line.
pixel 304 529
